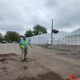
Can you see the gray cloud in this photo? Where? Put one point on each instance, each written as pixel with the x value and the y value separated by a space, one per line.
pixel 67 12
pixel 21 15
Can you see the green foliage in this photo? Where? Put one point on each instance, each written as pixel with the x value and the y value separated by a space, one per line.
pixel 29 33
pixel 38 29
pixel 11 36
pixel 1 38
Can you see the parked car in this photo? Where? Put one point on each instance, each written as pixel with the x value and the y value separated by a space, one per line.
pixel 4 42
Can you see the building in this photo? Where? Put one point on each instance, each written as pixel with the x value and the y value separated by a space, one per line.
pixel 73 38
pixel 62 38
pixel 58 39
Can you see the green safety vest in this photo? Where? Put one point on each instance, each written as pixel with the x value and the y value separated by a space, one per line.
pixel 27 43
pixel 22 46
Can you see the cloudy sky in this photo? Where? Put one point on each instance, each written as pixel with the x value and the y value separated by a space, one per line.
pixel 22 15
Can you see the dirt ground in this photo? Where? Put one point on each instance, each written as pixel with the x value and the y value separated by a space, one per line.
pixel 13 68
pixel 42 64
pixel 68 51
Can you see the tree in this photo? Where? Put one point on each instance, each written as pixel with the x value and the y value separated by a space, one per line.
pixel 29 33
pixel 1 38
pixel 37 29
pixel 11 36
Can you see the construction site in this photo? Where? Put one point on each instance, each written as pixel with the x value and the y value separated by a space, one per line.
pixel 52 63
pixel 39 39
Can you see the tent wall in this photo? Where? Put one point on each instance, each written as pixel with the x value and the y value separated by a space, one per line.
pixel 72 40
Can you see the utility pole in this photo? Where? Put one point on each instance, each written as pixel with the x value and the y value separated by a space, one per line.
pixel 52 33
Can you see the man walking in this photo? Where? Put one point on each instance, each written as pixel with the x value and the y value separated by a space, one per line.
pixel 24 44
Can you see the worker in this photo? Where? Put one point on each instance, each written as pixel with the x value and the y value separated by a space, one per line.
pixel 24 44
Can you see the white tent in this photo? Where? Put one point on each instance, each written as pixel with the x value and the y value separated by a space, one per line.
pixel 46 38
pixel 73 38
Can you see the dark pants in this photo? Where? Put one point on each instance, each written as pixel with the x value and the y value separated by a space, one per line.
pixel 25 53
